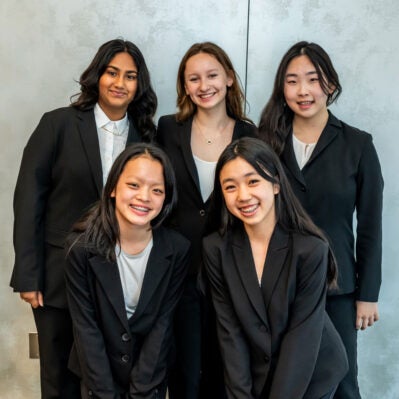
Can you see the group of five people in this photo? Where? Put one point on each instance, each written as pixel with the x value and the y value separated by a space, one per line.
pixel 205 256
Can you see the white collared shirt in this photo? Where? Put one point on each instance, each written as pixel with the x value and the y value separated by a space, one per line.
pixel 303 151
pixel 112 137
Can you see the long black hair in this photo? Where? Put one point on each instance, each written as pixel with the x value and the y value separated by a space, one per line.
pixel 98 229
pixel 144 104
pixel 276 118
pixel 290 214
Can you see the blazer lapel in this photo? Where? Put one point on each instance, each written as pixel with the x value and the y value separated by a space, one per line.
pixel 88 133
pixel 107 274
pixel 185 143
pixel 244 263
pixel 290 162
pixel 275 260
pixel 157 266
pixel 133 136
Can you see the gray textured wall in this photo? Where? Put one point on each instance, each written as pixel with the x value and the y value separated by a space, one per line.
pixel 44 46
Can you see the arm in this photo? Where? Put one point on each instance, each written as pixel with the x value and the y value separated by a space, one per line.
pixel 233 345
pixel 150 369
pixel 369 235
pixel 301 341
pixel 88 338
pixel 30 199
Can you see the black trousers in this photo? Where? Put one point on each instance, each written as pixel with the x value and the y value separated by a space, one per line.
pixel 54 327
pixel 342 311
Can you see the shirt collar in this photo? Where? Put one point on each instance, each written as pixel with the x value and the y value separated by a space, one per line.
pixel 102 120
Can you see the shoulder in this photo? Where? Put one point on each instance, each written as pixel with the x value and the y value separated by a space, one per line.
pixel 246 128
pixel 62 113
pixel 214 242
pixel 350 133
pixel 175 240
pixel 167 121
pixel 309 245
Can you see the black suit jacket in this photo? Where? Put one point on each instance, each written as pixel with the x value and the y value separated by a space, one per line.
pixel 342 176
pixel 59 178
pixel 189 217
pixel 276 340
pixel 110 354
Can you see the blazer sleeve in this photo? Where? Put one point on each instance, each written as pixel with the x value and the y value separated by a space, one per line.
pixel 369 224
pixel 88 338
pixel 233 345
pixel 30 200
pixel 150 369
pixel 300 343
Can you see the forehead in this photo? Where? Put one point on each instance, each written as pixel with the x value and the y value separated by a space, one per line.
pixel 302 63
pixel 144 166
pixel 123 59
pixel 236 168
pixel 202 61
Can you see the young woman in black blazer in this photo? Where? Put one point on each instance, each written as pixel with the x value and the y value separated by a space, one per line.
pixel 124 276
pixel 335 172
pixel 63 168
pixel 269 267
pixel 210 115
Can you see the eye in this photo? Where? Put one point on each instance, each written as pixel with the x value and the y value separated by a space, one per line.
pixel 253 182
pixel 229 188
pixel 314 79
pixel 111 73
pixel 193 79
pixel 133 185
pixel 131 77
pixel 158 191
pixel 213 75
pixel 290 81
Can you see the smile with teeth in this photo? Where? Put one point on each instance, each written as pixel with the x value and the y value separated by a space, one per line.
pixel 248 209
pixel 207 95
pixel 140 208
pixel 305 102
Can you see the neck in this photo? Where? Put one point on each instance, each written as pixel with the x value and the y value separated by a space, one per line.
pixel 214 118
pixel 113 115
pixel 309 130
pixel 261 232
pixel 134 239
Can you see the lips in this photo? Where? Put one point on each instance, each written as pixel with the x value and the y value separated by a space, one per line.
pixel 206 96
pixel 117 93
pixel 249 209
pixel 140 209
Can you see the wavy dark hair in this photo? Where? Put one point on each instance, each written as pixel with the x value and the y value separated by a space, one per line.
pixel 290 214
pixel 276 117
pixel 98 229
pixel 144 105
pixel 235 98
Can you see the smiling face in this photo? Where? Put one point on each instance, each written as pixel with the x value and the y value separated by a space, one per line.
pixel 206 81
pixel 117 86
pixel 302 90
pixel 139 194
pixel 247 195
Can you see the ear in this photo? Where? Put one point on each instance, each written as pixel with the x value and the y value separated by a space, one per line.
pixel 230 79
pixel 331 88
pixel 112 194
pixel 276 188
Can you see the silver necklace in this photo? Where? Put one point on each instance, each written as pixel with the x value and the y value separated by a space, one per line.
pixel 207 139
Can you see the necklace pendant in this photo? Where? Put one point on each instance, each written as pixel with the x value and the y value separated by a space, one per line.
pixel 208 141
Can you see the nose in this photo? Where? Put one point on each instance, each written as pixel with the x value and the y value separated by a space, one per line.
pixel 119 80
pixel 243 193
pixel 143 194
pixel 204 85
pixel 303 89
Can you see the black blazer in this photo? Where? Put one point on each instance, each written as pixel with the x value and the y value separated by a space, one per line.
pixel 109 354
pixel 59 178
pixel 342 176
pixel 191 213
pixel 276 340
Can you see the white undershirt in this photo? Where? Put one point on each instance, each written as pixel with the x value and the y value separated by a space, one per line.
pixel 206 175
pixel 112 137
pixel 131 270
pixel 303 151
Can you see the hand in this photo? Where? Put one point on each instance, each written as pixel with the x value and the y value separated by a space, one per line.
pixel 366 314
pixel 35 298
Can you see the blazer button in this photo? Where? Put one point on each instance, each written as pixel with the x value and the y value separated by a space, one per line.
pixel 90 393
pixel 202 212
pixel 267 359
pixel 303 188
pixel 125 358
pixel 125 337
pixel 263 328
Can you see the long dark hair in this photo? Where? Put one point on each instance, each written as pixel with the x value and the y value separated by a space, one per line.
pixel 290 214
pixel 234 98
pixel 98 230
pixel 276 118
pixel 144 105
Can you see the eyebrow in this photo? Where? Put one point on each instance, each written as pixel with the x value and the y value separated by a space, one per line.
pixel 118 69
pixel 294 74
pixel 228 179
